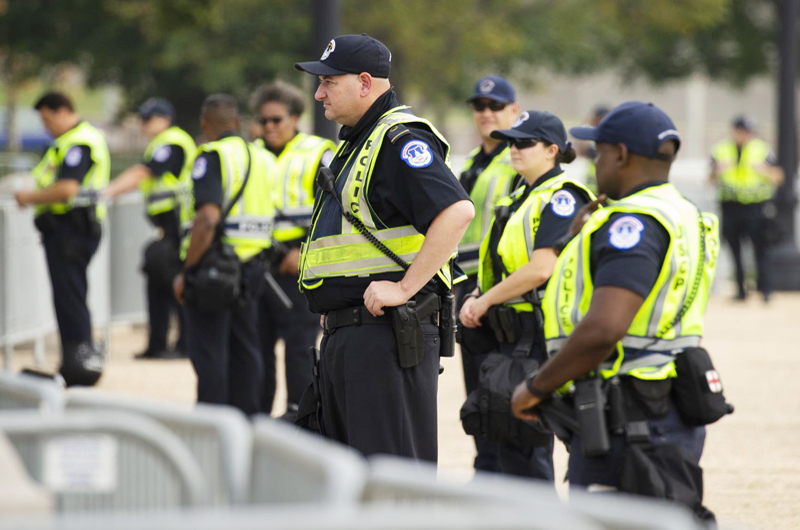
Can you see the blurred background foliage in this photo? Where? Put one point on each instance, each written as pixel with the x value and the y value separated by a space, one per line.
pixel 185 49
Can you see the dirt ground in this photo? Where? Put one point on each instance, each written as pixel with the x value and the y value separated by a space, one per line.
pixel 751 460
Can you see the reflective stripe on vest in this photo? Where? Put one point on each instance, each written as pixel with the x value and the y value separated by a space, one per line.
pixel 251 218
pixel 294 192
pixel 740 182
pixel 348 253
pixel 516 243
pixel 649 347
pixel 95 179
pixel 493 183
pixel 167 191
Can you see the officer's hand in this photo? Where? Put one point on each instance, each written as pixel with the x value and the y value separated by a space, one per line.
pixel 583 214
pixel 22 198
pixel 291 262
pixel 472 311
pixel 384 294
pixel 523 403
pixel 177 287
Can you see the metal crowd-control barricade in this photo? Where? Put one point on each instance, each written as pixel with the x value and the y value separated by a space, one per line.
pixel 128 232
pixel 295 517
pixel 220 438
pixel 106 461
pixel 403 481
pixel 19 391
pixel 292 466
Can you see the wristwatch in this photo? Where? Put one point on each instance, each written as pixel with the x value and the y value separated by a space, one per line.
pixel 529 385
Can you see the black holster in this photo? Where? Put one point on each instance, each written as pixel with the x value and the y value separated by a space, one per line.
pixel 309 410
pixel 407 322
pixel 46 223
pixel 215 283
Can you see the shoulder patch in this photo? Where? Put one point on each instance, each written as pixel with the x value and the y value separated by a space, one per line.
pixel 625 233
pixel 396 132
pixel 327 158
pixel 73 156
pixel 563 203
pixel 162 153
pixel 199 168
pixel 417 154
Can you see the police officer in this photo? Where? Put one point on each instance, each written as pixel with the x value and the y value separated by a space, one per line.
pixel 299 157
pixel 487 177
pixel 392 178
pixel 517 256
pixel 68 179
pixel 223 342
pixel 746 173
pixel 628 293
pixel 164 179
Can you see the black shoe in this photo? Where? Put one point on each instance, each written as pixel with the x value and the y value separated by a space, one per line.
pixel 149 355
pixel 741 297
pixel 767 296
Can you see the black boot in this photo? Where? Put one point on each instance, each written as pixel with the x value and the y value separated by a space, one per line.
pixel 82 364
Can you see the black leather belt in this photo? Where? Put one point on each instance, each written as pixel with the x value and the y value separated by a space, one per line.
pixel 360 315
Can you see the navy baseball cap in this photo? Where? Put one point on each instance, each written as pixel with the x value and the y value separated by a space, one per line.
pixel 536 124
pixel 351 54
pixel 493 87
pixel 642 127
pixel 156 107
pixel 744 122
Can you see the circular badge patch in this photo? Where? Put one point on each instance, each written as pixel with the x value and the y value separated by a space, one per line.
pixel 73 156
pixel 328 50
pixel 563 203
pixel 417 154
pixel 162 154
pixel 522 118
pixel 199 168
pixel 625 233
pixel 486 86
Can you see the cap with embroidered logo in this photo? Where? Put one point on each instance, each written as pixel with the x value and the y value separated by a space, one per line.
pixel 493 87
pixel 642 127
pixel 156 107
pixel 351 54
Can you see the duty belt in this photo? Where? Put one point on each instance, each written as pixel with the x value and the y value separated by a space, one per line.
pixel 359 315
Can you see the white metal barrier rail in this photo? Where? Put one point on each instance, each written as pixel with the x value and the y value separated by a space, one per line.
pixel 19 391
pixel 219 437
pixel 106 461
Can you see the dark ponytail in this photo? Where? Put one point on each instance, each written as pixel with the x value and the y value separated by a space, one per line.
pixel 566 156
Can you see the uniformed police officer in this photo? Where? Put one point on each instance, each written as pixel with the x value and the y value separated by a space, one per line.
pixel 299 157
pixel 223 343
pixel 392 178
pixel 517 255
pixel 164 179
pixel 487 177
pixel 746 173
pixel 68 178
pixel 628 293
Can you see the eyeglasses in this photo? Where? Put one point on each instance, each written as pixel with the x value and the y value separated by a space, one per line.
pixel 494 106
pixel 273 121
pixel 523 143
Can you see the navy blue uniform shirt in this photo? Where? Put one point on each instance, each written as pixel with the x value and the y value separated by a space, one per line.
pixel 168 158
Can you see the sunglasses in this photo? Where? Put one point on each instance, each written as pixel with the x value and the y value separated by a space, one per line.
pixel 494 106
pixel 523 143
pixel 273 121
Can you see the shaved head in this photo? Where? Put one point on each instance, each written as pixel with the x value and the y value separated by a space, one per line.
pixel 219 114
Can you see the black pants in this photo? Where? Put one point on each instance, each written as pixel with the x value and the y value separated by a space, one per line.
pixel 69 249
pixel 747 221
pixel 224 350
pixel 487 459
pixel 369 402
pixel 161 304
pixel 299 329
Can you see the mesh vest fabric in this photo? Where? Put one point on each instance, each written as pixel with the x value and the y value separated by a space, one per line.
pixel 167 191
pixel 740 182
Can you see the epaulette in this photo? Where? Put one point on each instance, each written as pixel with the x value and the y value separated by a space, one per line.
pixel 396 132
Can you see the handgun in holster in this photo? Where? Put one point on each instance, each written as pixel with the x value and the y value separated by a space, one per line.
pixel 407 322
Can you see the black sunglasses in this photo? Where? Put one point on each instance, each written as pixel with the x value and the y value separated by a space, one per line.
pixel 273 121
pixel 523 143
pixel 494 106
